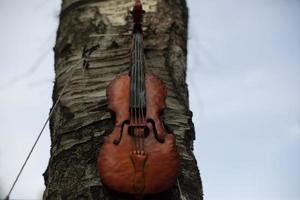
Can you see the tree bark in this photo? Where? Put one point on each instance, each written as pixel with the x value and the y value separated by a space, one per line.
pixel 81 119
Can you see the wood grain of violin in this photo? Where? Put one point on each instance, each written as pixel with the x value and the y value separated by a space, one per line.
pixel 139 157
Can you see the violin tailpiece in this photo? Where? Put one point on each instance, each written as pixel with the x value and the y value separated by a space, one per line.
pixel 138 159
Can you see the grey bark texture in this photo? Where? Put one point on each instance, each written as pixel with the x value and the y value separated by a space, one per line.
pixel 81 119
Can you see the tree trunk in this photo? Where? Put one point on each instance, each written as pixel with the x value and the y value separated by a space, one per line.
pixel 81 119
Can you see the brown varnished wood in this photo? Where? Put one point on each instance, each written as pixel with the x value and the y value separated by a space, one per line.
pixel 118 94
pixel 115 162
pixel 156 93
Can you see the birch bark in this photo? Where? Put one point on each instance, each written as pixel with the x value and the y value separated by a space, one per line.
pixel 81 119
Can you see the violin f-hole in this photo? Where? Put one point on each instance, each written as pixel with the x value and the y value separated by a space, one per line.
pixel 118 140
pixel 156 134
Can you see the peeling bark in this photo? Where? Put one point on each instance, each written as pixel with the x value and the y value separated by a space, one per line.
pixel 82 119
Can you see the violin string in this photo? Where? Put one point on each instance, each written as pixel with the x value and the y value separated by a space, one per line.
pixel 140 90
pixel 137 88
pixel 132 95
pixel 131 88
pixel 138 93
pixel 134 78
pixel 143 88
pixel 143 91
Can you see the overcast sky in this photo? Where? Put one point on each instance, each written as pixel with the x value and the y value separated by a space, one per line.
pixel 244 83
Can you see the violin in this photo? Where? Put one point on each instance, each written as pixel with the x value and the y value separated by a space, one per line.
pixel 139 156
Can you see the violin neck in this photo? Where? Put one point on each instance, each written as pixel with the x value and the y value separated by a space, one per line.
pixel 137 75
pixel 137 71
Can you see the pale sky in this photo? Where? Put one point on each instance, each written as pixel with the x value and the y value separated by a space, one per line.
pixel 244 83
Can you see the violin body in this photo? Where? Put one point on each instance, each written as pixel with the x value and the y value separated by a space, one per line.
pixel 121 168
